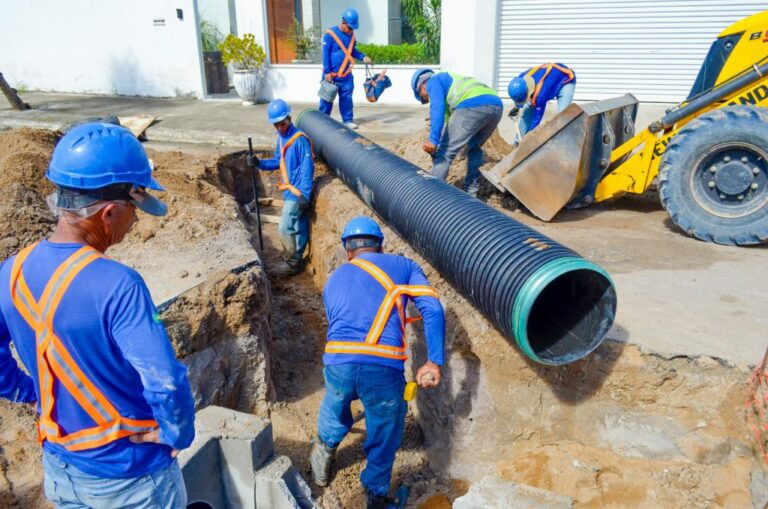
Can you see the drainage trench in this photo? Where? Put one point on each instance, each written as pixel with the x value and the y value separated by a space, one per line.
pixel 622 427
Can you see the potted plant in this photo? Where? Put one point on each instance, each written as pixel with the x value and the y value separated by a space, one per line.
pixel 304 41
pixel 247 57
pixel 216 79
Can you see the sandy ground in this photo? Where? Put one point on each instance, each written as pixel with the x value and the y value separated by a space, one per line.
pixel 629 238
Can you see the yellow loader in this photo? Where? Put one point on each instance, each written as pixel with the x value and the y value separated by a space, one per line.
pixel 708 155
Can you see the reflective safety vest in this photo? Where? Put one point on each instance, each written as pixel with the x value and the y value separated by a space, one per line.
pixel 285 182
pixel 548 68
pixel 393 298
pixel 463 88
pixel 349 62
pixel 55 364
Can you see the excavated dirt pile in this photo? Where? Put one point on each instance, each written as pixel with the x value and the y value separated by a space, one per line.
pixel 198 258
pixel 622 428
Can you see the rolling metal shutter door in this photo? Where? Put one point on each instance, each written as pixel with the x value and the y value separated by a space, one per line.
pixel 650 49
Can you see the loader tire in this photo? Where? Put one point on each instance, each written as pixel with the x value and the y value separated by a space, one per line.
pixel 713 177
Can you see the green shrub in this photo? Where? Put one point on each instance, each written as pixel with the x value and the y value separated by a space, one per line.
pixel 394 54
pixel 244 52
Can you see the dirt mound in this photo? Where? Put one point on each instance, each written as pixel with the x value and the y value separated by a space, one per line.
pixel 24 216
pixel 409 148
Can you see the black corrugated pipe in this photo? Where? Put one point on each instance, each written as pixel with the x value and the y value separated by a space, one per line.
pixel 557 306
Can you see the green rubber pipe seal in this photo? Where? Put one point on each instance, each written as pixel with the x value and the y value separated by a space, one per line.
pixel 530 292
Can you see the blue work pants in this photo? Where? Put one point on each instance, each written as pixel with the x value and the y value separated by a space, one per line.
pixel 469 127
pixel 380 389
pixel 564 98
pixel 294 232
pixel 70 488
pixel 346 87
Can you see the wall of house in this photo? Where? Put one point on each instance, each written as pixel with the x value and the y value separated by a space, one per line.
pixel 93 46
pixel 299 83
pixel 468 38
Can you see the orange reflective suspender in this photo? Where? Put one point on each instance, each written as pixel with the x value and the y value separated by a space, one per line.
pixel 54 362
pixel 393 298
pixel 349 62
pixel 540 83
pixel 285 182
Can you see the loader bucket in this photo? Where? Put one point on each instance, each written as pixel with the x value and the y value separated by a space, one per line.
pixel 561 162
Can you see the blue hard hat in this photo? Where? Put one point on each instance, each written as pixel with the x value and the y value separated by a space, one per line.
pixel 518 90
pixel 277 111
pixel 417 79
pixel 351 17
pixel 362 226
pixel 96 155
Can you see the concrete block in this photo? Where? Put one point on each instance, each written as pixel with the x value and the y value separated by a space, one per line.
pixel 279 486
pixel 500 494
pixel 229 447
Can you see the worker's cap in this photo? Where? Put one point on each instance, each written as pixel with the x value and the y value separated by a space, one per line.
pixel 521 89
pixel 419 78
pixel 76 199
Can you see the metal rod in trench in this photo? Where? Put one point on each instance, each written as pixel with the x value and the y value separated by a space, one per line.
pixel 256 196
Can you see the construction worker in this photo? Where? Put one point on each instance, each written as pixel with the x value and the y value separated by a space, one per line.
pixel 293 157
pixel 364 357
pixel 534 88
pixel 339 54
pixel 115 405
pixel 470 112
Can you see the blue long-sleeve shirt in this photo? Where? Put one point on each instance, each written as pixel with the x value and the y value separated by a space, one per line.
pixel 553 83
pixel 333 55
pixel 352 297
pixel 109 325
pixel 437 89
pixel 298 163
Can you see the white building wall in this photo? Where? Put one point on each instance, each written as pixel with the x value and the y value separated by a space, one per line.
pixel 299 83
pixel 468 38
pixel 374 18
pixel 103 47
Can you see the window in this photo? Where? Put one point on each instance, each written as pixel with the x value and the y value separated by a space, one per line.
pixel 390 32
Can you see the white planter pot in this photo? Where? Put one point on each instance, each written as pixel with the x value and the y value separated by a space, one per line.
pixel 247 84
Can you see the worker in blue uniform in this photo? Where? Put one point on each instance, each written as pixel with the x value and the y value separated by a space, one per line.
pixel 462 113
pixel 293 157
pixel 534 88
pixel 339 54
pixel 365 301
pixel 115 405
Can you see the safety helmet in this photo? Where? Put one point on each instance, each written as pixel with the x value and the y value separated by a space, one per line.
pixel 97 160
pixel 518 90
pixel 351 18
pixel 419 77
pixel 362 226
pixel 277 111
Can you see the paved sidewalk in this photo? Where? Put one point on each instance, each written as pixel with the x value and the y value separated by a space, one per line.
pixel 192 121
pixel 227 122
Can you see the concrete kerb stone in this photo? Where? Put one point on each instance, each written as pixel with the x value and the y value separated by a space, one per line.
pixel 229 447
pixel 495 492
pixel 279 486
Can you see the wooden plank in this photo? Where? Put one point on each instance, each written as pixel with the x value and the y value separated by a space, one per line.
pixel 137 124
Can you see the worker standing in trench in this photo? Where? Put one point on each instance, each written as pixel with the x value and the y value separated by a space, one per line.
pixel 470 112
pixel 115 405
pixel 293 157
pixel 364 357
pixel 339 54
pixel 534 88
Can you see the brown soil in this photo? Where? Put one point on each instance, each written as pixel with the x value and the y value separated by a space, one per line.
pixel 409 148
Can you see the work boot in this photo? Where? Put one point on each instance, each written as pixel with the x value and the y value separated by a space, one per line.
pixel 320 459
pixel 351 125
pixel 378 501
